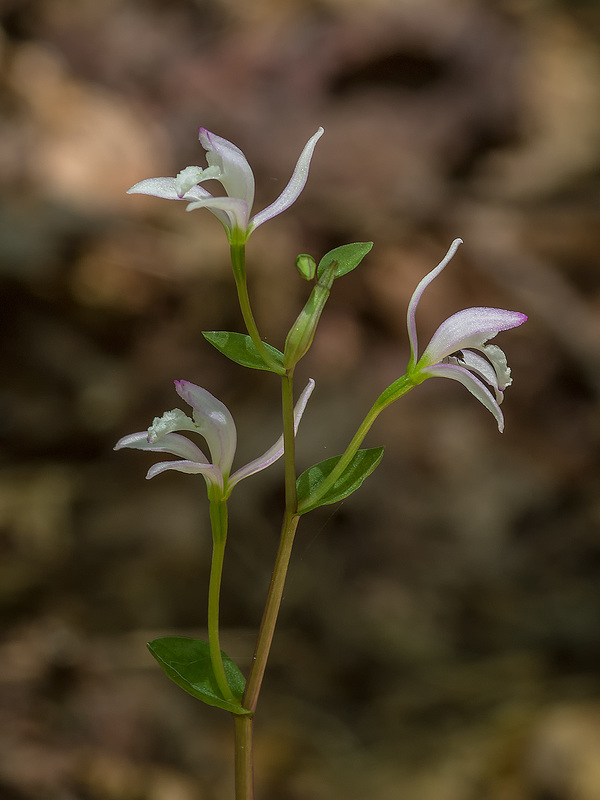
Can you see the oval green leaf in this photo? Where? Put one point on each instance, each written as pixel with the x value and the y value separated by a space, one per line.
pixel 348 257
pixel 361 466
pixel 187 663
pixel 240 348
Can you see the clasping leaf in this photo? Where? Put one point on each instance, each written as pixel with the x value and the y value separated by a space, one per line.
pixel 240 348
pixel 361 466
pixel 187 662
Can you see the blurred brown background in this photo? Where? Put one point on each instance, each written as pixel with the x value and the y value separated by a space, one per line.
pixel 440 634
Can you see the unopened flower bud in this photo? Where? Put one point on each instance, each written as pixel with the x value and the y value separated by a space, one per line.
pixel 302 332
pixel 306 266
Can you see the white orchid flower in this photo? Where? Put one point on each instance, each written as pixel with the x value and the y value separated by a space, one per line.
pixel 212 419
pixel 228 165
pixel 458 348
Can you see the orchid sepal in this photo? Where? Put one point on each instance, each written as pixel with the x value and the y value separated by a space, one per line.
pixel 294 187
pixel 416 296
pixel 172 443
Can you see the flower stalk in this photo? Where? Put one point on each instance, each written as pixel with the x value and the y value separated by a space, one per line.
pixel 218 521
pixel 238 262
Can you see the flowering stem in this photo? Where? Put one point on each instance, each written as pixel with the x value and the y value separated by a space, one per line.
pixel 218 521
pixel 386 398
pixel 238 262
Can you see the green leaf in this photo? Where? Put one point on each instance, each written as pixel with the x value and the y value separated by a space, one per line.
pixel 187 662
pixel 240 348
pixel 348 257
pixel 361 466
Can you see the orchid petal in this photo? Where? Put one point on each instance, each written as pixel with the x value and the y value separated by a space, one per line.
pixel 471 327
pixel 294 188
pixel 213 420
pixel 276 451
pixel 236 174
pixel 414 300
pixel 473 384
pixel 172 443
pixel 211 473
pixel 230 211
pixel 168 189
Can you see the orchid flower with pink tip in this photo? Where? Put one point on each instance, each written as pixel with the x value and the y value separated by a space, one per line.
pixel 458 348
pixel 228 165
pixel 212 420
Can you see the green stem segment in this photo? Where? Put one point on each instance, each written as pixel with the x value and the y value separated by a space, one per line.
pixel 218 521
pixel 238 262
pixel 289 441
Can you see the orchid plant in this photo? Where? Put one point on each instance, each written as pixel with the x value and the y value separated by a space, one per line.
pixel 458 350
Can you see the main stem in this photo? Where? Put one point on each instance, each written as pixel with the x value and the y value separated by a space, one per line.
pixel 284 552
pixel 269 620
pixel 244 757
